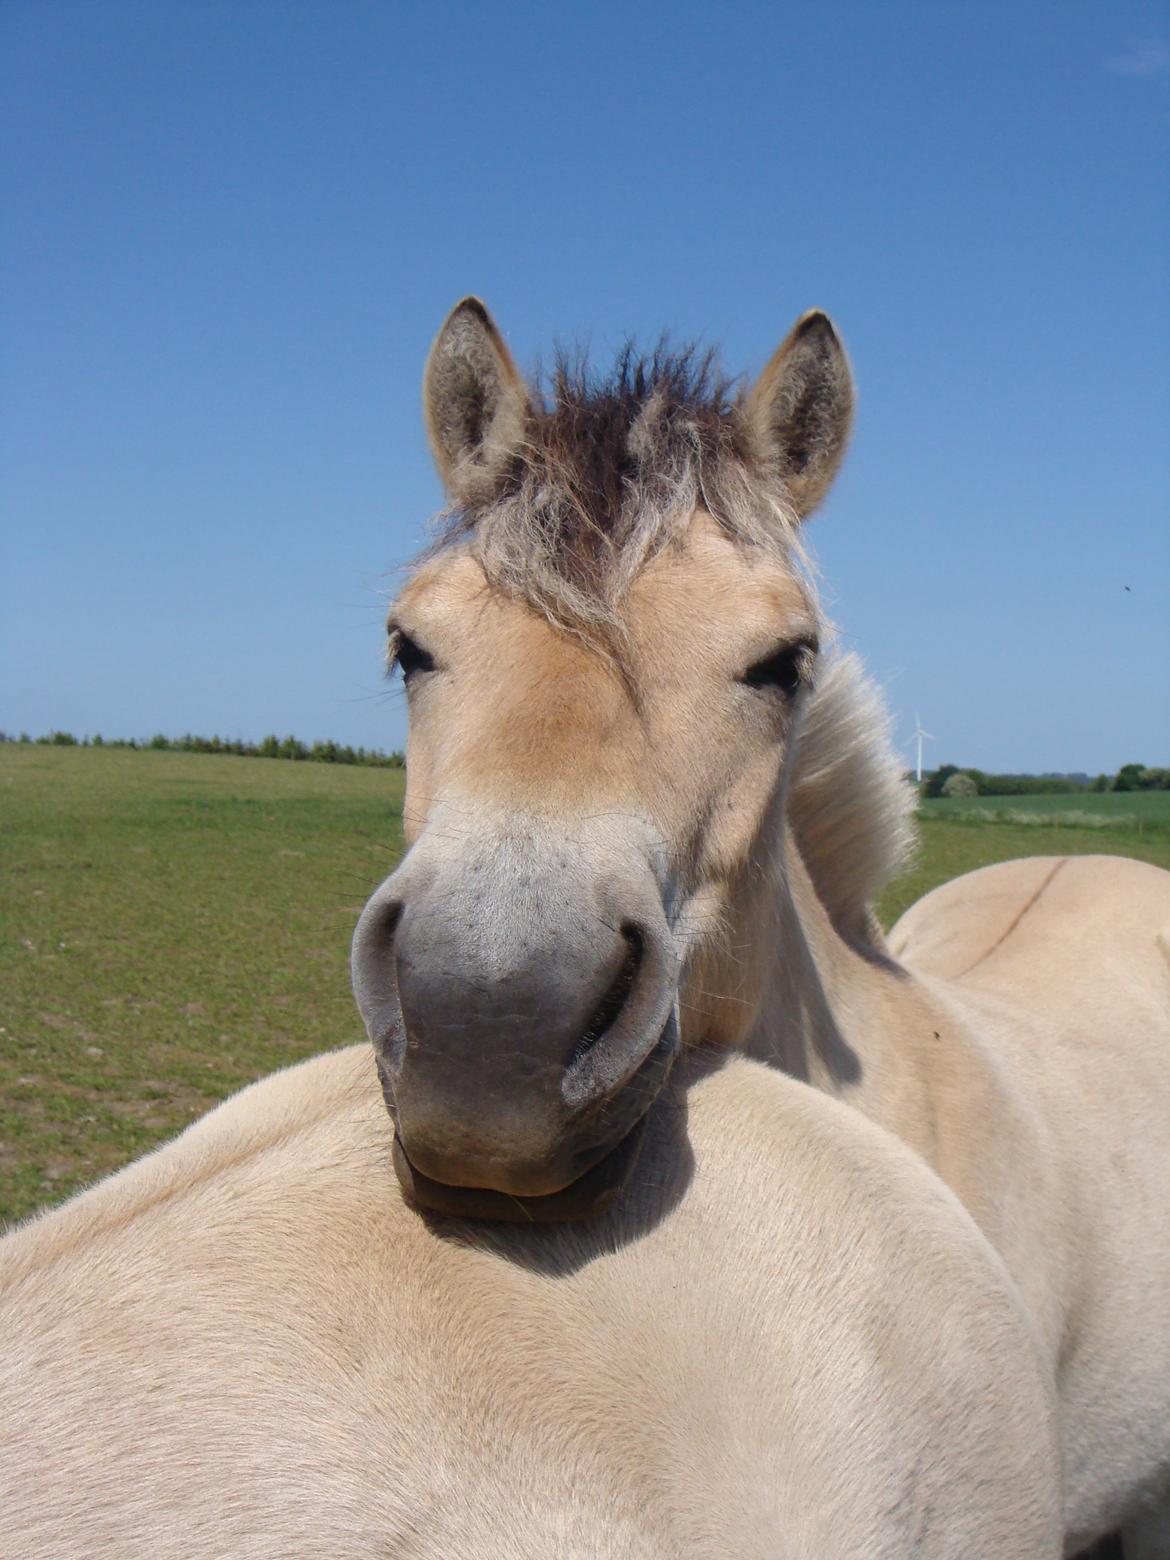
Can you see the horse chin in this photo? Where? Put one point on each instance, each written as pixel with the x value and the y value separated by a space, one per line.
pixel 585 1198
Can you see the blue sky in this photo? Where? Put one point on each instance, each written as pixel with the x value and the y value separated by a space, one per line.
pixel 231 230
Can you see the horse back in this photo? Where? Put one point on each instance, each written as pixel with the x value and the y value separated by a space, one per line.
pixel 1047 926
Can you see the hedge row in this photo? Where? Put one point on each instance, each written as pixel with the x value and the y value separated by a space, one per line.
pixel 1130 777
pixel 270 747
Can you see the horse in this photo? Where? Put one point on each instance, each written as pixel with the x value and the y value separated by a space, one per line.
pixel 647 811
pixel 787 1340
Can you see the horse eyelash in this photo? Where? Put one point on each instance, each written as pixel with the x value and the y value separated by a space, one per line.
pixel 788 668
pixel 407 654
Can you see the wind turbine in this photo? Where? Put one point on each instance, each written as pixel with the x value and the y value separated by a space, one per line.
pixel 920 736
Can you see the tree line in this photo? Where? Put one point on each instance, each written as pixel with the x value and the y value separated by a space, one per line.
pixel 1130 777
pixel 268 747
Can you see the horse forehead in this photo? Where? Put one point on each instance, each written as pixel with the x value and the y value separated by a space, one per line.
pixel 711 578
pixel 452 580
pixel 701 585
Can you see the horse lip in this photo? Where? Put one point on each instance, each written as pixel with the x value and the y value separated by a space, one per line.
pixel 589 1195
pixel 585 1198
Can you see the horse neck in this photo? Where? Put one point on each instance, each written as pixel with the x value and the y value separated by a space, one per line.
pixel 784 986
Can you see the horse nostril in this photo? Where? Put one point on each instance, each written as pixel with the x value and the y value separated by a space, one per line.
pixel 607 1010
pixel 388 917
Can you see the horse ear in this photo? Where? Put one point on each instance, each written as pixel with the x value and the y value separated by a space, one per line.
pixel 474 402
pixel 798 413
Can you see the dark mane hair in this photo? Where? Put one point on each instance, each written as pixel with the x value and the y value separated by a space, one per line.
pixel 609 468
pixel 583 428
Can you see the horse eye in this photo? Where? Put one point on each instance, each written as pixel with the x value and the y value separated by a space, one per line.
pixel 409 656
pixel 786 669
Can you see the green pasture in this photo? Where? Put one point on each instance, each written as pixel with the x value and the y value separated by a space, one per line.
pixel 173 926
pixel 1136 812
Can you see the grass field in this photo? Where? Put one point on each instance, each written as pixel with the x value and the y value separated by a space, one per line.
pixel 174 926
pixel 1135 812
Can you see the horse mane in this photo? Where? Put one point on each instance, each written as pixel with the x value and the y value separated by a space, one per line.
pixel 850 807
pixel 609 470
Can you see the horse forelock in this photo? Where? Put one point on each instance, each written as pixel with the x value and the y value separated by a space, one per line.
pixel 611 469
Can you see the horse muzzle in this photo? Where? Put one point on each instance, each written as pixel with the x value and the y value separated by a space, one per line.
pixel 524 1020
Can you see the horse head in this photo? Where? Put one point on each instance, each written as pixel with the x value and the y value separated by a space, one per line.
pixel 604 655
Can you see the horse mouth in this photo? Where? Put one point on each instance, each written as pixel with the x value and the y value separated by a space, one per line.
pixel 585 1198
pixel 595 1189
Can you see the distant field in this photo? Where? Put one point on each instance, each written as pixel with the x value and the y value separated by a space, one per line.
pixel 173 926
pixel 1138 811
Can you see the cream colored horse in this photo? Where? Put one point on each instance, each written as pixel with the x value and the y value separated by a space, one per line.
pixel 646 813
pixel 788 1342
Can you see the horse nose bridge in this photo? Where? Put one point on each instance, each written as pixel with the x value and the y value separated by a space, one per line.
pixel 499 883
